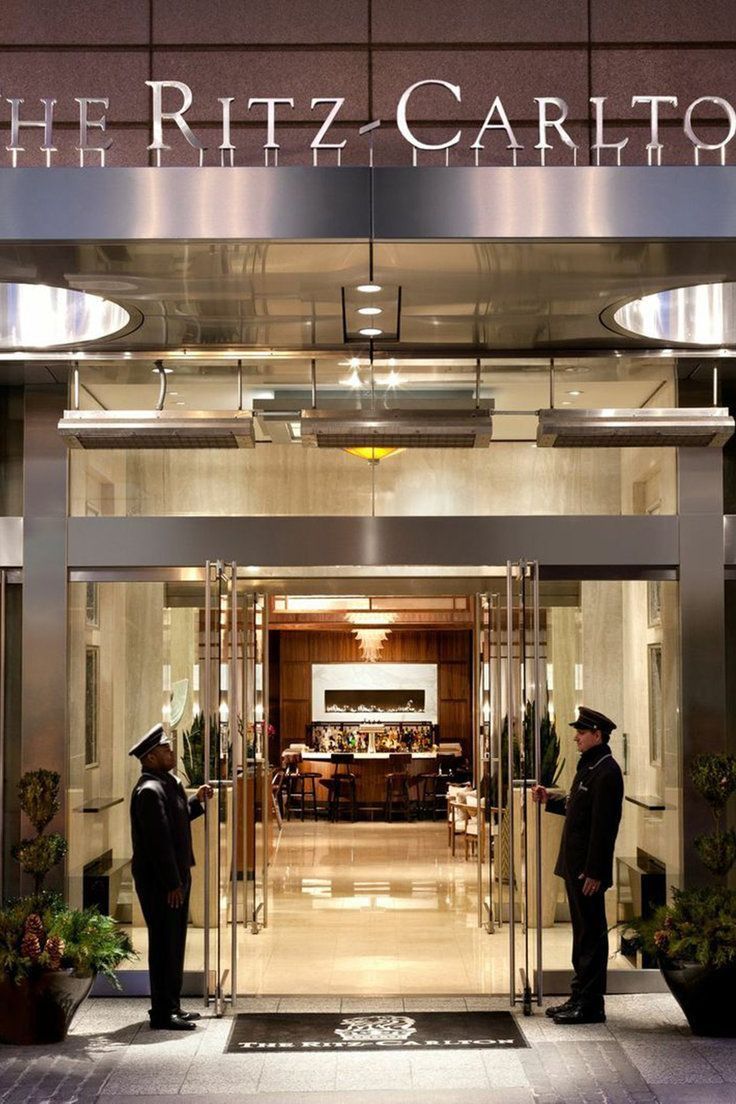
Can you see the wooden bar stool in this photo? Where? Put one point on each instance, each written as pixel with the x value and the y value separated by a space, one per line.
pixel 398 784
pixel 299 785
pixel 342 787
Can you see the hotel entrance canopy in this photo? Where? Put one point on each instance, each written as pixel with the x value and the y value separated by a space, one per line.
pixel 502 260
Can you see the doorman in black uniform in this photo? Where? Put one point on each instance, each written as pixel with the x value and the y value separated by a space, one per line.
pixel 160 812
pixel 592 812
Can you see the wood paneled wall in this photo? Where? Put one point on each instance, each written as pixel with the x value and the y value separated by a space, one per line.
pixel 294 653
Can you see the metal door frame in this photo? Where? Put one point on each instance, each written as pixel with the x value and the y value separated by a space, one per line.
pixel 240 627
pixel 525 574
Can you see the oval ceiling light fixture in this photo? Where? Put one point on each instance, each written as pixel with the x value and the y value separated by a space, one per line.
pixel 371 331
pixel 36 316
pixel 369 289
pixel 704 314
pixel 370 310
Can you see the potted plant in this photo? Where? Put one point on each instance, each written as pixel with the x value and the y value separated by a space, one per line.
pixel 694 938
pixel 49 954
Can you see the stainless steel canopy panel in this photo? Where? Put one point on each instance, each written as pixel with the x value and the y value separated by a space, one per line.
pixel 488 259
pixel 647 428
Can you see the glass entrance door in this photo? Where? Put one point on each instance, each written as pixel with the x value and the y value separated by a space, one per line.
pixel 235 705
pixel 219 704
pixel 486 756
pixel 255 799
pixel 522 754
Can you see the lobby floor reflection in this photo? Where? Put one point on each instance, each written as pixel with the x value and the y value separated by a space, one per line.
pixel 372 910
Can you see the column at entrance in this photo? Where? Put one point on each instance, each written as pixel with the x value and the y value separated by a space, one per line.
pixel 702 624
pixel 44 633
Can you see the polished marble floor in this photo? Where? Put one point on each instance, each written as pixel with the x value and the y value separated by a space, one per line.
pixel 372 909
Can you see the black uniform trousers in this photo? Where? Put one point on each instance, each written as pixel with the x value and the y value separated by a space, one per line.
pixel 589 945
pixel 167 936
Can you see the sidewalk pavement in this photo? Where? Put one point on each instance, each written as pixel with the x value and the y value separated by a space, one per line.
pixel 644 1054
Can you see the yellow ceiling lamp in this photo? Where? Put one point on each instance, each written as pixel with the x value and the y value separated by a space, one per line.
pixel 371 454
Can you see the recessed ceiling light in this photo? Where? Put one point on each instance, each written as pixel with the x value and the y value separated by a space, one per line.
pixel 369 289
pixel 355 362
pixel 575 393
pixel 566 402
pixel 180 403
pixel 371 331
pixel 370 310
pixel 704 314
pixel 35 316
pixel 173 393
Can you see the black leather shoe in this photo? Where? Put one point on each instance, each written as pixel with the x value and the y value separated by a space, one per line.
pixel 172 1023
pixel 578 1014
pixel 555 1009
pixel 187 1015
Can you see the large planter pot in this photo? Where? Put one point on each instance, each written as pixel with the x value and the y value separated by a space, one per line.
pixel 197 894
pixel 551 836
pixel 40 1009
pixel 706 996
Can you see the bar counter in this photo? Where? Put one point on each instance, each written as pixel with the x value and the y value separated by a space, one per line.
pixel 370 768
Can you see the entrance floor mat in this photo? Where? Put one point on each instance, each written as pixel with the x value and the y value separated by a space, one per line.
pixel 415 1031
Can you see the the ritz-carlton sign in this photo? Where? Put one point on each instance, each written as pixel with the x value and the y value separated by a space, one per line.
pixel 171 101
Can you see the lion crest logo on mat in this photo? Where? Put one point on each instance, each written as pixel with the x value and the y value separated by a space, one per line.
pixel 376 1029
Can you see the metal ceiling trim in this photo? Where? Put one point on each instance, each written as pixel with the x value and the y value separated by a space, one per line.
pixel 590 203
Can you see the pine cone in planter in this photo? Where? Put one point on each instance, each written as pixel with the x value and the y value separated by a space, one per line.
pixel 30 946
pixel 55 951
pixel 34 926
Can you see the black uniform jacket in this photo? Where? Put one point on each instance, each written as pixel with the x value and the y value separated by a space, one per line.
pixel 160 812
pixel 592 812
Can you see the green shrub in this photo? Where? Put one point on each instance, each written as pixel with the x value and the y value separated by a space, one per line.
pixel 717 851
pixel 40 932
pixel 714 777
pixel 88 942
pixel 699 926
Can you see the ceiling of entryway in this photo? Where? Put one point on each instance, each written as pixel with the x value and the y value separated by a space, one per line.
pixel 457 298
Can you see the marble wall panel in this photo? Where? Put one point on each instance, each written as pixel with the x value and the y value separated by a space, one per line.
pixel 516 75
pixel 64 74
pixel 375 676
pixel 287 480
pixel 471 21
pixel 258 21
pixel 677 20
pixel 302 76
pixel 76 22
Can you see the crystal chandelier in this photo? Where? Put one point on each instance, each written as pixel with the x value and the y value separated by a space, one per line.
pixel 370 636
